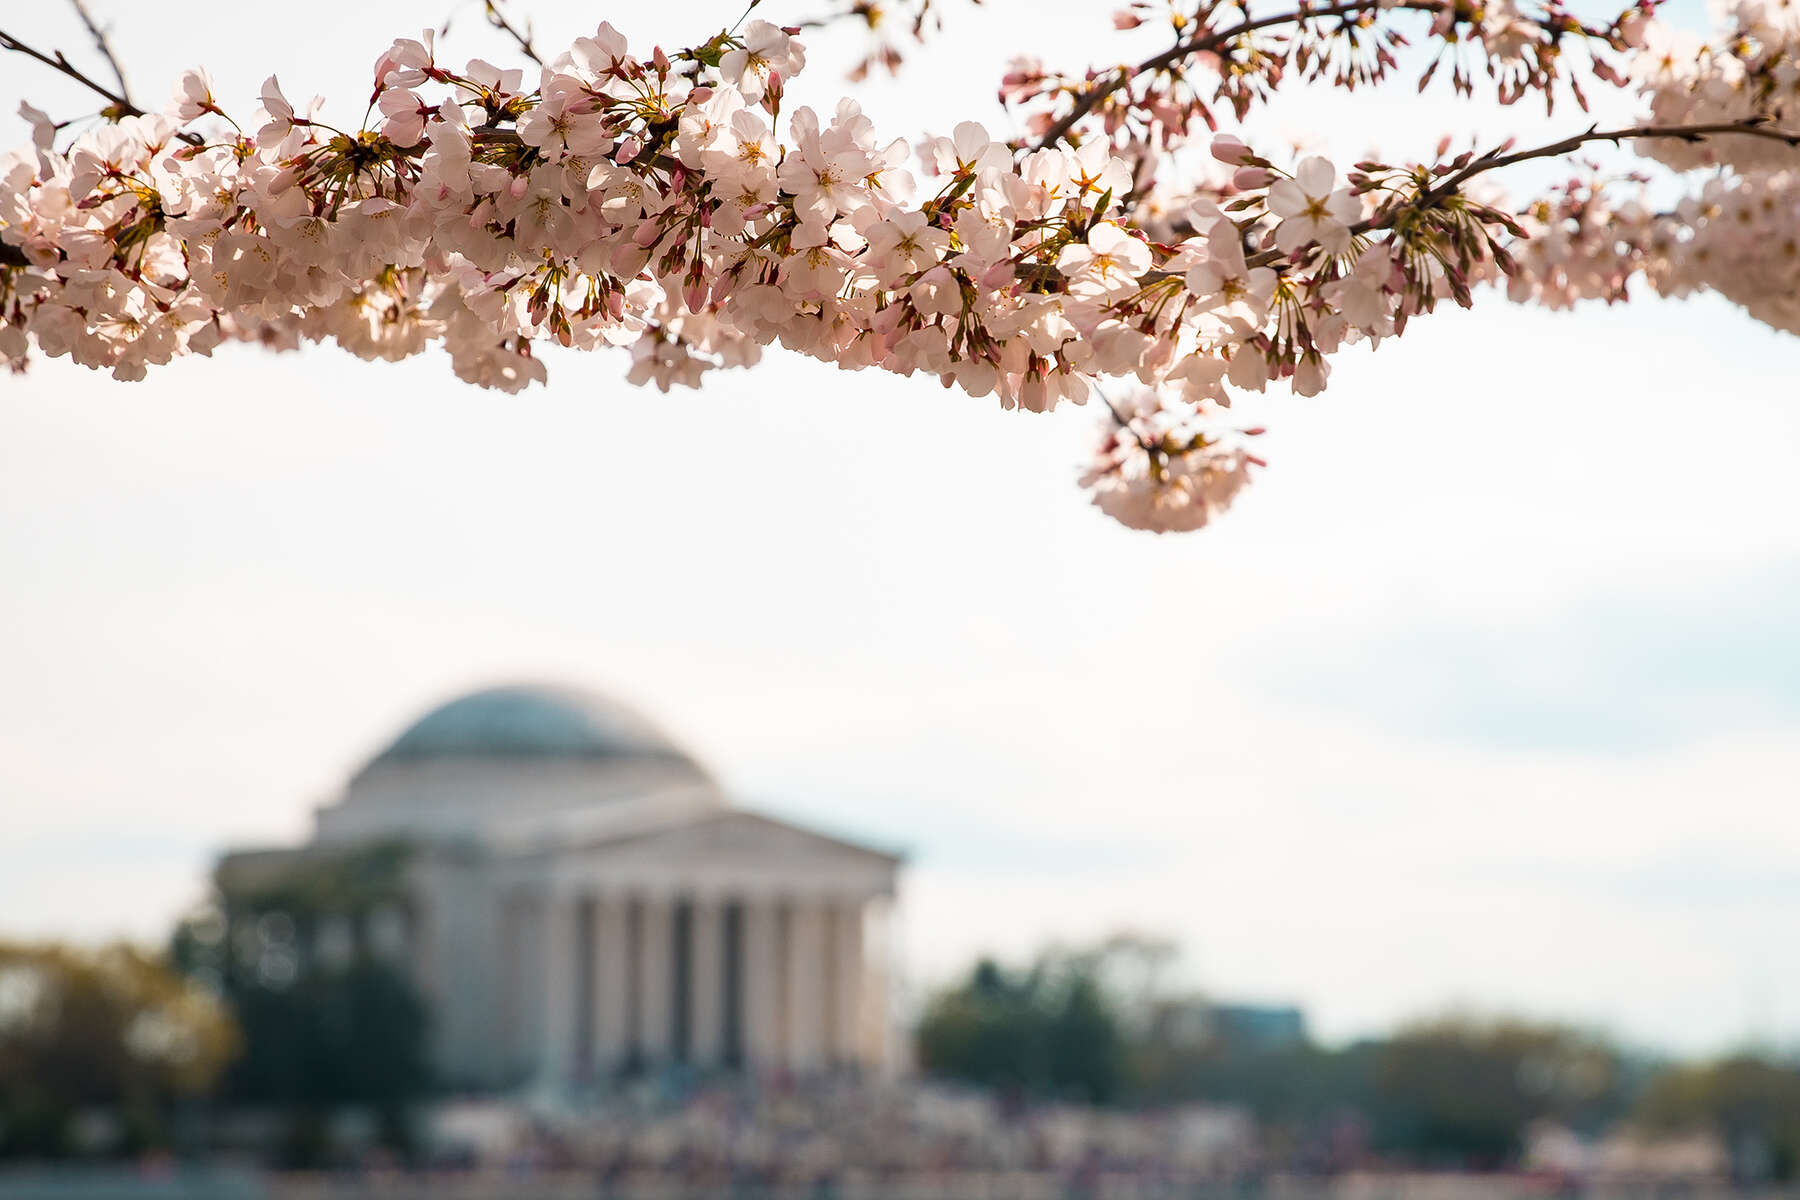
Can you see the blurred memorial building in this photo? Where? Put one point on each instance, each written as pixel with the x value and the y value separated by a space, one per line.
pixel 573 897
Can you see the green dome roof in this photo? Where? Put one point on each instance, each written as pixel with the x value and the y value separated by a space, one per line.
pixel 531 722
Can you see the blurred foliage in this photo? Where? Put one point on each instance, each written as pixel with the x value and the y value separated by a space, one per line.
pixel 112 1033
pixel 1464 1090
pixel 1753 1104
pixel 1049 1030
pixel 1451 1091
pixel 330 1016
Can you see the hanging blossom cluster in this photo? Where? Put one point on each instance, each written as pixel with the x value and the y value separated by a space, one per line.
pixel 669 206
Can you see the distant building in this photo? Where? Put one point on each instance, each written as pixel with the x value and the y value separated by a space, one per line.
pixel 1256 1026
pixel 576 897
pixel 1238 1026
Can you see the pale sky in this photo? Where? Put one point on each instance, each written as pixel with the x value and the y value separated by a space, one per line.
pixel 1488 692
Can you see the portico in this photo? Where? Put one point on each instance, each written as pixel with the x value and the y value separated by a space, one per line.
pixel 734 941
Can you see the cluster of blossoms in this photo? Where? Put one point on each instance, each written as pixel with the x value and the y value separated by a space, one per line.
pixel 1737 232
pixel 668 206
pixel 1159 466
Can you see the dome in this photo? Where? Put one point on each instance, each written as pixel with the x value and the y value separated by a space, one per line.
pixel 532 722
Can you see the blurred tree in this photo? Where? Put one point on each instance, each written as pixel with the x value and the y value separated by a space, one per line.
pixel 329 1014
pixel 1048 1030
pixel 112 1031
pixel 1754 1105
pixel 1463 1090
pixel 1454 1090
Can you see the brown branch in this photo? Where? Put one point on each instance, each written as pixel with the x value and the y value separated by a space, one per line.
pixel 103 46
pixel 118 105
pixel 497 18
pixel 12 256
pixel 1750 127
pixel 1105 85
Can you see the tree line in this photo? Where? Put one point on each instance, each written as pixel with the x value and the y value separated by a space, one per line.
pixel 118 1050
pixel 1452 1090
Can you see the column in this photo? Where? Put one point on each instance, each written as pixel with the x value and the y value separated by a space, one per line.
pixel 560 988
pixel 586 959
pixel 847 983
pixel 612 984
pixel 521 985
pixel 806 986
pixel 706 1005
pixel 764 970
pixel 681 987
pixel 731 1000
pixel 878 954
pixel 656 974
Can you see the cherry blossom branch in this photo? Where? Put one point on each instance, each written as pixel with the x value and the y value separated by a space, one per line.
pixel 1750 127
pixel 1494 160
pixel 118 105
pixel 651 203
pixel 1105 85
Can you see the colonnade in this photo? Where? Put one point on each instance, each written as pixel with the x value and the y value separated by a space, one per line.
pixel 609 982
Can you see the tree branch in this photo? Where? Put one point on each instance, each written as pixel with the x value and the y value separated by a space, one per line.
pixel 118 106
pixel 497 18
pixel 105 47
pixel 1105 85
pixel 1494 160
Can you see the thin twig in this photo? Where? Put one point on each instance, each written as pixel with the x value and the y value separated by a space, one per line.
pixel 101 44
pixel 1104 85
pixel 118 105
pixel 1123 421
pixel 497 18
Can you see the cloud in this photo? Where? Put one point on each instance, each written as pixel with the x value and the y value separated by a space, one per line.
pixel 1626 668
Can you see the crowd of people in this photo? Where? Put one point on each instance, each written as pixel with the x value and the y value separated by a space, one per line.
pixel 857 1139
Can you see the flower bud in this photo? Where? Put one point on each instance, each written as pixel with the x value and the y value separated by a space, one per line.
pixel 1230 150
pixel 1248 179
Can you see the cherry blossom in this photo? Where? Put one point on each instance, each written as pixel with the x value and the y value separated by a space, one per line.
pixel 1313 209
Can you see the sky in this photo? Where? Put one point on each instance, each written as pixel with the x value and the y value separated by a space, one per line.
pixel 1487 694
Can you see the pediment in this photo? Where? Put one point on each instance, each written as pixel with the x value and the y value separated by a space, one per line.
pixel 738 835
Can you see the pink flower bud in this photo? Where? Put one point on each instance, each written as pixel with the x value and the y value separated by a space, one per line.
pixel 1230 150
pixel 1248 179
